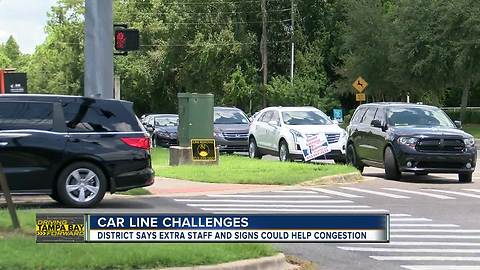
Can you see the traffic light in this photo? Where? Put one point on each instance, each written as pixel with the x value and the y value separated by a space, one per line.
pixel 127 39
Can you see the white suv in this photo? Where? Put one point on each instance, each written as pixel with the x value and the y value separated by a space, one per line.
pixel 278 131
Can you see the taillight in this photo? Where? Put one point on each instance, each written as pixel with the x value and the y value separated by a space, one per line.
pixel 138 142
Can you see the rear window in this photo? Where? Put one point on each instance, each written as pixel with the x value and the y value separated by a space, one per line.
pixel 230 117
pixel 26 115
pixel 91 115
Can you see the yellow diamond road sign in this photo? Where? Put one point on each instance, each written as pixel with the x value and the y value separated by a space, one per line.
pixel 360 84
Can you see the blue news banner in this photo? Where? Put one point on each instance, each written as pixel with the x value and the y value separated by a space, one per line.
pixel 238 228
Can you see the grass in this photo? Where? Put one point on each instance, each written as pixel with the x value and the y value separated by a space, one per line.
pixel 242 170
pixel 473 129
pixel 19 251
pixel 136 192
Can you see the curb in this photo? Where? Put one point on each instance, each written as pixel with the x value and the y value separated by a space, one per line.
pixel 334 179
pixel 276 262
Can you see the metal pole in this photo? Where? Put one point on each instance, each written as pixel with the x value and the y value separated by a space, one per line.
pixel 98 49
pixel 263 50
pixel 8 199
pixel 292 56
pixel 117 87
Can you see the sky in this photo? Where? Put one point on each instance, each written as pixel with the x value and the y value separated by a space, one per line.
pixel 25 21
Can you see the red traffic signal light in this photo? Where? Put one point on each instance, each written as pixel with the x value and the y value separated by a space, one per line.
pixel 127 40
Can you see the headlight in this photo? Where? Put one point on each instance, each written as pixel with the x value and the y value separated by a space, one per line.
pixel 409 141
pixel 296 134
pixel 470 142
pixel 217 134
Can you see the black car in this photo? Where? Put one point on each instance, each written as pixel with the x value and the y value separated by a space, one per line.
pixel 72 148
pixel 402 137
pixel 230 129
pixel 163 129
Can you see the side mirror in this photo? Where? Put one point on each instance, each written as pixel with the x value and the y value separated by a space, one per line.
pixel 458 124
pixel 376 123
pixel 150 128
pixel 273 123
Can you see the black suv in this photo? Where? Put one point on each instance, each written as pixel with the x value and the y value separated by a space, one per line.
pixel 402 137
pixel 72 148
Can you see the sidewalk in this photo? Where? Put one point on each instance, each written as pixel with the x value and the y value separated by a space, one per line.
pixel 173 187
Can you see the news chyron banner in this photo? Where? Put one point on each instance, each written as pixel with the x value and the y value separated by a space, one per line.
pixel 319 228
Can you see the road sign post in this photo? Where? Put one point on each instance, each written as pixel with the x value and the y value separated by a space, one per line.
pixel 8 198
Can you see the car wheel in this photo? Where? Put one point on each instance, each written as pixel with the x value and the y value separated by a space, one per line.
pixel 390 163
pixel 465 177
pixel 352 159
pixel 253 151
pixel 283 152
pixel 81 185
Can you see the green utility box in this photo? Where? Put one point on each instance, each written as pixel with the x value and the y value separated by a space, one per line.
pixel 195 113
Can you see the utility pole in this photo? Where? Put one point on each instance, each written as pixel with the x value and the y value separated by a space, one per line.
pixel 98 49
pixel 292 56
pixel 263 50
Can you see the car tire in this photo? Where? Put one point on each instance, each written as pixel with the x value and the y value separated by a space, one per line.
pixel 352 159
pixel 253 151
pixel 81 185
pixel 283 152
pixel 465 177
pixel 390 163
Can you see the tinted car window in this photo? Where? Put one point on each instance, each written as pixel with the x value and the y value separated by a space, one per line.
pixel 358 116
pixel 229 117
pixel 26 115
pixel 275 117
pixel 368 117
pixel 90 116
pixel 418 116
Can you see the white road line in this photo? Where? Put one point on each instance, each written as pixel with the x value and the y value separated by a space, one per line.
pixel 295 191
pixel 265 196
pixel 296 210
pixel 337 193
pixel 436 230
pixel 424 225
pixel 390 195
pixel 424 258
pixel 472 189
pixel 438 196
pixel 441 267
pixel 409 250
pixel 400 215
pixel 435 236
pixel 457 193
pixel 409 219
pixel 408 243
pixel 278 205
pixel 262 201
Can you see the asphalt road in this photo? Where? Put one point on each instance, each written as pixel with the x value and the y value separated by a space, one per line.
pixel 435 220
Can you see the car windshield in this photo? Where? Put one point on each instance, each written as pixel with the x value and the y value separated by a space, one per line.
pixel 229 117
pixel 166 121
pixel 418 116
pixel 305 118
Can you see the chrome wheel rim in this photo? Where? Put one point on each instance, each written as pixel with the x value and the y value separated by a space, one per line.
pixel 251 149
pixel 283 152
pixel 82 185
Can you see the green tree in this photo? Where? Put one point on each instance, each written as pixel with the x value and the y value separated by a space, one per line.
pixel 11 49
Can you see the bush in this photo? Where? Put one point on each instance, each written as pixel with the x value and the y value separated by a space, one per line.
pixel 471 116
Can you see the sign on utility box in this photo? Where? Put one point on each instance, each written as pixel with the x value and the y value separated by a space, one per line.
pixel 195 130
pixel 13 82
